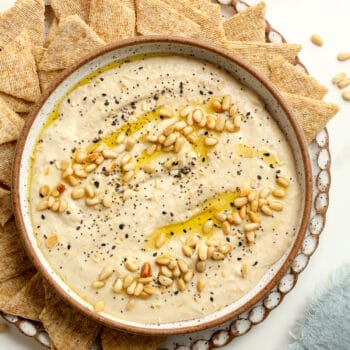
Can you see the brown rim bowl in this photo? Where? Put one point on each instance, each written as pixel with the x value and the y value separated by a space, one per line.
pixel 244 73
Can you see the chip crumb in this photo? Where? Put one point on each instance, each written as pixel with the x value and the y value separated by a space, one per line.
pixel 316 39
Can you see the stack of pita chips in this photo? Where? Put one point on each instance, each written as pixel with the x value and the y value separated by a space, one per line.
pixel 29 64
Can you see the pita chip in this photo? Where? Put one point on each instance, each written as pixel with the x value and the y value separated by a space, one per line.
pixel 29 301
pixel 5 209
pixel 11 123
pixel 10 287
pixel 18 76
pixel 312 115
pixel 24 14
pixel 112 20
pixel 289 78
pixel 73 40
pixel 47 78
pixel 260 54
pixel 13 259
pixel 67 328
pixel 7 153
pixel 211 26
pixel 155 17
pixel 129 3
pixel 3 192
pixel 248 25
pixel 116 340
pixel 65 8
pixel 52 32
pixel 16 104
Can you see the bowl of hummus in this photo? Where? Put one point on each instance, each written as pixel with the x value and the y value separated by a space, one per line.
pixel 162 186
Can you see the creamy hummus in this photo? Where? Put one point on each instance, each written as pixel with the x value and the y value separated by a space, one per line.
pixel 98 224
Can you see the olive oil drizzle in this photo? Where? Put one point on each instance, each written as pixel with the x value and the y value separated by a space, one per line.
pixel 267 157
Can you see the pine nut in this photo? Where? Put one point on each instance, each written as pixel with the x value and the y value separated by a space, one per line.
pixel 182 266
pixel 226 227
pixel 276 205
pixel 99 160
pixel 197 115
pixel 91 202
pixel 45 190
pixel 130 305
pixel 192 138
pixel 106 272
pixel 192 241
pixel 251 227
pixel 55 193
pixel 234 218
pixel 176 272
pixel 168 148
pixel 203 122
pixel 55 206
pixel 166 112
pixel 254 205
pixel 128 167
pixel 149 169
pixel 161 240
pixel 225 248
pixel 65 164
pixel 79 157
pixel 250 237
pixel 164 270
pixel 279 193
pixel 97 284
pixel 128 279
pixel 63 205
pixel 170 140
pixel 252 196
pixel 80 173
pixel 99 306
pixel 67 173
pixel 181 285
pixel 316 39
pixel 170 129
pixel 218 256
pixel 343 56
pixel 145 280
pixel 165 281
pixel 118 286
pixel 108 154
pixel 180 125
pixel 89 191
pixel 244 270
pixel 150 290
pixel 152 138
pixel 72 181
pixel 120 139
pixel 237 121
pixel 101 147
pixel 92 157
pixel 146 270
pixel 189 119
pixel 217 106
pixel 254 217
pixel 131 266
pixel 240 201
pixel 180 141
pixel 151 149
pixel 200 285
pixel 78 193
pixel 187 251
pixel 211 122
pixel 207 227
pixel 185 111
pixel 243 212
pixel 211 251
pixel 264 193
pixel 188 276
pixel 130 144
pixel 346 95
pixel 42 205
pixel 162 260
pixel 90 168
pixel 202 251
pixel 187 130
pixel 262 202
pixel 220 123
pixel 226 102
pixel 128 176
pixel 126 158
pixel 138 289
pixel 266 210
pixel 338 77
pixel 282 181
pixel 131 289
pixel 172 264
pixel 221 217
pixel 200 266
pixel 107 201
pixel 212 243
pixel 233 111
pixel 229 126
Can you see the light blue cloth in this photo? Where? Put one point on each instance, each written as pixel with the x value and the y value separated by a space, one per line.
pixel 326 322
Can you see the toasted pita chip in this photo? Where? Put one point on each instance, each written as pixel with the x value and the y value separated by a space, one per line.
pixel 13 259
pixel 10 287
pixel 18 76
pixel 5 209
pixel 52 32
pixel 312 115
pixel 11 123
pixel 29 301
pixel 7 152
pixel 129 3
pixel 24 14
pixel 212 29
pixel 259 54
pixel 74 39
pixel 3 192
pixel 115 340
pixel 112 20
pixel 16 104
pixel 47 78
pixel 248 25
pixel 67 328
pixel 39 52
pixel 65 8
pixel 289 78
pixel 156 17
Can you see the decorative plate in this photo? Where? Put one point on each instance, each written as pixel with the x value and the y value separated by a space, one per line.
pixel 225 333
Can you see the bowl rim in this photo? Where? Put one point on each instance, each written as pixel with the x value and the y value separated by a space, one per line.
pixel 298 132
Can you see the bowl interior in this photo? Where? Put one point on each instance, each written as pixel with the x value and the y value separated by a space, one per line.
pixel 243 73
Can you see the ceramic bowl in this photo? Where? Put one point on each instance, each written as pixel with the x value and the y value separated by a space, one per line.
pixel 244 73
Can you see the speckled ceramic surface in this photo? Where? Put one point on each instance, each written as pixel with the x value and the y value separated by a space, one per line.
pixel 223 334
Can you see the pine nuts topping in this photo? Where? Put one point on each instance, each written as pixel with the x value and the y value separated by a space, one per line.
pixel 162 260
pixel 72 181
pixel 164 270
pixel 279 193
pixel 89 191
pixel 266 210
pixel 131 266
pixel 187 251
pixel 218 256
pixel 78 193
pixel 316 39
pixel 276 205
pixel 234 218
pixel 244 270
pixel 220 217
pixel 211 141
pixel 254 217
pixel 107 201
pixel 181 285
pixel 170 140
pixel 131 289
pixel 51 241
pixel 151 149
pixel 250 236
pixel 97 284
pixel 166 112
pixel 226 227
pixel 226 103
pixel 251 227
pixel 130 305
pixel 99 306
pixel 264 193
pixel 91 202
pixel 79 157
pixel 182 266
pixel 165 281
pixel 282 181
pixel 202 251
pixel 200 285
pixel 208 226
pixel 45 190
pixel 220 123
pixel 138 289
pixel 42 205
pixel 180 141
pixel 225 248
pixel 161 240
pixel 90 168
pixel 118 286
pixel 188 276
pixel 217 106
pixel 149 169
pixel 105 273
pixel 240 201
pixel 146 270
pixel 192 241
pixel 130 144
pixel 128 280
pixel 200 266
pixel 63 205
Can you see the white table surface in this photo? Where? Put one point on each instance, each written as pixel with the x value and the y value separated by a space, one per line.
pixel 296 20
